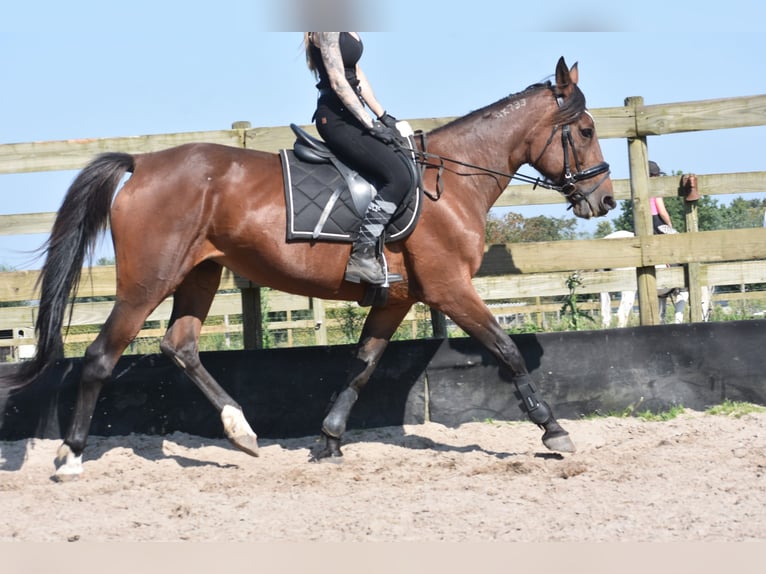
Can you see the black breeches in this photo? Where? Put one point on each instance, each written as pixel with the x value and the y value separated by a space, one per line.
pixel 375 161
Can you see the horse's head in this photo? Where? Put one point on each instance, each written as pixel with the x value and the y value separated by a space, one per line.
pixel 569 155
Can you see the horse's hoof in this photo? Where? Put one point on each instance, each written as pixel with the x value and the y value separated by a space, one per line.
pixel 238 430
pixel 68 465
pixel 558 441
pixel 325 456
pixel 329 453
pixel 65 476
pixel 246 443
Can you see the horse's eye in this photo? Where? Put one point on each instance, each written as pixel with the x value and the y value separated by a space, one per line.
pixel 587 132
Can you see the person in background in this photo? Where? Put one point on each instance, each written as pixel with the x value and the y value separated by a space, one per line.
pixel 660 215
pixel 663 224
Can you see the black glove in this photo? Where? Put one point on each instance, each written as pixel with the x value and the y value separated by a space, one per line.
pixel 387 120
pixel 384 133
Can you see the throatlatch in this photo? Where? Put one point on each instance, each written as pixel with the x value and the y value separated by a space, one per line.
pixel 539 412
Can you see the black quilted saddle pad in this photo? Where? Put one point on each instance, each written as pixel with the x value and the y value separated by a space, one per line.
pixel 308 189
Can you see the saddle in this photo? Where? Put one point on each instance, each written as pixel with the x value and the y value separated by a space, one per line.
pixel 326 199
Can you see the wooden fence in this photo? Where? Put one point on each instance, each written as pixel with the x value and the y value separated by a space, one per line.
pixel 509 272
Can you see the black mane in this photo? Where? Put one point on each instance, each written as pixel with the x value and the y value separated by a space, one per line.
pixel 571 109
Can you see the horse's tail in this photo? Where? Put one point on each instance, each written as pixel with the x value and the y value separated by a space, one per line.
pixel 83 215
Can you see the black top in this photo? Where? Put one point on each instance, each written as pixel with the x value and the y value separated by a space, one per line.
pixel 350 50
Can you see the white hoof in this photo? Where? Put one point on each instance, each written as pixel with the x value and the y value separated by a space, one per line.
pixel 68 466
pixel 238 430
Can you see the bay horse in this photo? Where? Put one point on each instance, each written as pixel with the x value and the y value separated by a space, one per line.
pixel 188 211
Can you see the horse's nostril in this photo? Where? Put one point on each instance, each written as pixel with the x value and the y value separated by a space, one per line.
pixel 608 202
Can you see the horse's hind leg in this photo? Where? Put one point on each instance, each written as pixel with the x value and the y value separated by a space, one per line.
pixel 191 303
pixel 124 322
pixel 380 325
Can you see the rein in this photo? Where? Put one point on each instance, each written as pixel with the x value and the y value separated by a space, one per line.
pixel 423 156
pixel 567 189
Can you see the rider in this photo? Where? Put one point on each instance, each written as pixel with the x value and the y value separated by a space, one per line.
pixel 358 139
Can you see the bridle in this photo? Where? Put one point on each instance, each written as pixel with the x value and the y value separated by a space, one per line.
pixel 568 189
pixel 570 179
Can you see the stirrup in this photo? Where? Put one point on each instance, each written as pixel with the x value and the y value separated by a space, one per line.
pixel 389 277
pixel 381 252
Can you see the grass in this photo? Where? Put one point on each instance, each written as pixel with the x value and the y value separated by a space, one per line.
pixel 670 414
pixel 735 409
pixel 728 408
pixel 645 415
pixel 628 411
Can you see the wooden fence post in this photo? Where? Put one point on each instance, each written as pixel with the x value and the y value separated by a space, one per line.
pixel 320 323
pixel 646 277
pixel 252 315
pixel 242 127
pixel 438 324
pixel 692 270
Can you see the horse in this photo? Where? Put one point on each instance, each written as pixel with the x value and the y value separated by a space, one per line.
pixel 188 211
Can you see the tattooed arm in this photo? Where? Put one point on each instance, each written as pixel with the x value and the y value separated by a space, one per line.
pixel 329 46
pixel 368 94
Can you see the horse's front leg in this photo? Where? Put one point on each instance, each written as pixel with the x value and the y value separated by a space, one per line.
pixel 473 316
pixel 380 325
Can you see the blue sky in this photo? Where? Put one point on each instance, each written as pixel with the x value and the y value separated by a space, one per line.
pixel 85 69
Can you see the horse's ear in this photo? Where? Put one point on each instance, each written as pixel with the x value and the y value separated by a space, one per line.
pixel 565 76
pixel 562 74
pixel 574 74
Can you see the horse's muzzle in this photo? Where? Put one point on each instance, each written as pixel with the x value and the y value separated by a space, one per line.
pixel 594 201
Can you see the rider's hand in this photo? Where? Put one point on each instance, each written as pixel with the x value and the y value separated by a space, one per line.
pixel 384 133
pixel 388 120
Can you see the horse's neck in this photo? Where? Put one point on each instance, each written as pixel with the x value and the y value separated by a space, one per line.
pixel 471 143
pixel 496 140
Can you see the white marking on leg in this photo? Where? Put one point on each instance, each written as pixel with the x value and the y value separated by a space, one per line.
pixel 234 422
pixel 68 466
pixel 238 430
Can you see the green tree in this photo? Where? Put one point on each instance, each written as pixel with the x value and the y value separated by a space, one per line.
pixel 3 268
pixel 603 228
pixel 351 320
pixel 502 230
pixel 743 213
pixel 513 228
pixel 710 213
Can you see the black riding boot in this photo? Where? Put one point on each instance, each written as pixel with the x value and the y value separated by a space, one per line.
pixel 363 265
